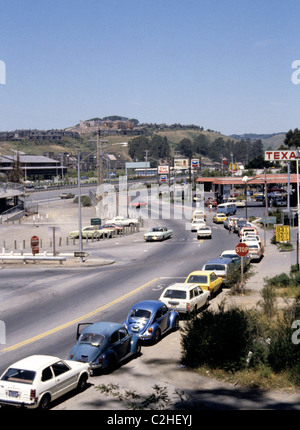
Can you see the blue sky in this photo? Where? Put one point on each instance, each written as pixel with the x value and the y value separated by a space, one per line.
pixel 225 65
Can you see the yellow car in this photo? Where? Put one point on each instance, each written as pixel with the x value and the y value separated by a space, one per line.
pixel 206 279
pixel 219 218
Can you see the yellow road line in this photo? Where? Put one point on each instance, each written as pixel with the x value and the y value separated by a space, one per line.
pixel 68 324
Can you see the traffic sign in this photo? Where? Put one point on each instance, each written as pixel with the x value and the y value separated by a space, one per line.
pixel 81 254
pixel 269 220
pixel 34 241
pixel 35 250
pixel 242 249
pixel 282 233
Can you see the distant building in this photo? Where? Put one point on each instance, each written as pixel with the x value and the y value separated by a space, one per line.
pixel 37 134
pixel 33 166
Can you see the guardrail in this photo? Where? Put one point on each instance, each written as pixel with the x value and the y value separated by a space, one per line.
pixel 25 258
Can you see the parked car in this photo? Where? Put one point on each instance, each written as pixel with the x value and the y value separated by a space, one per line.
pixel 220 266
pixel 247 229
pixel 90 231
pixel 125 222
pixel 207 280
pixel 219 218
pixel 240 203
pixel 67 196
pixel 113 227
pixel 158 234
pixel 251 238
pixel 150 319
pixel 230 253
pixel 103 345
pixel 256 252
pixel 185 298
pixel 241 222
pixel 37 380
pixel 204 231
pixel 195 224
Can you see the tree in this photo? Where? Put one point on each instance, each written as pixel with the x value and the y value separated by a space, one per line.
pixel 137 148
pixel 159 147
pixel 292 138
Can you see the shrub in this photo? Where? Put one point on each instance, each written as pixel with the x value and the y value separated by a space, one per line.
pixel 85 201
pixel 218 339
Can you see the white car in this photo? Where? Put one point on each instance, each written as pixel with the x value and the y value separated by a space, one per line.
pixel 185 298
pixel 196 224
pixel 204 231
pixel 256 252
pixel 35 381
pixel 124 222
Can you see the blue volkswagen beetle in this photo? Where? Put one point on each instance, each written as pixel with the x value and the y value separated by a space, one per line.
pixel 150 319
pixel 104 344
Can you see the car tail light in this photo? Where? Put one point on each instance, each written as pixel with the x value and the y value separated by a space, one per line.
pixel 32 394
pixel 150 330
pixel 188 306
pixel 100 359
pixel 71 356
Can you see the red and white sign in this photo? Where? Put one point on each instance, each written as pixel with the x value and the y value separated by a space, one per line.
pixel 162 170
pixel 34 241
pixel 242 249
pixel 281 155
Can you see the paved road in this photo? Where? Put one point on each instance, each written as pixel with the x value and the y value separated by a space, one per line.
pixel 45 298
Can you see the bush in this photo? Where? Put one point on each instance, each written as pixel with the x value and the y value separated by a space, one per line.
pixel 85 201
pixel 218 339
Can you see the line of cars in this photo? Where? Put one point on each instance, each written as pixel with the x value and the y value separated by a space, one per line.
pixel 38 380
pixel 109 229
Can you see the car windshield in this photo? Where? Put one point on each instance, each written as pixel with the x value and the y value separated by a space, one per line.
pixel 93 338
pixel 175 294
pixel 214 267
pixel 197 279
pixel 19 375
pixel 157 229
pixel 140 313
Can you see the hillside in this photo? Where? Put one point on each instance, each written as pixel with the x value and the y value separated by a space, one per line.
pixel 270 141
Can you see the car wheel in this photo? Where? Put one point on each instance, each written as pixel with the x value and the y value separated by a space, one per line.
pixel 82 382
pixel 138 349
pixel 176 324
pixel 157 336
pixel 45 402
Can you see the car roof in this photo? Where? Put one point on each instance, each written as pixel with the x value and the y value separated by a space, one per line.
pixel 219 260
pixel 35 362
pixel 151 305
pixel 181 286
pixel 201 272
pixel 103 327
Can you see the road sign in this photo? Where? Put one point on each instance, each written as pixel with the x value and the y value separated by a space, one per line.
pixel 242 249
pixel 269 220
pixel 34 241
pixel 96 221
pixel 81 254
pixel 35 250
pixel 282 233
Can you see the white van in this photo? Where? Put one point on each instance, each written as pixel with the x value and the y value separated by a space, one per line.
pixel 227 208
